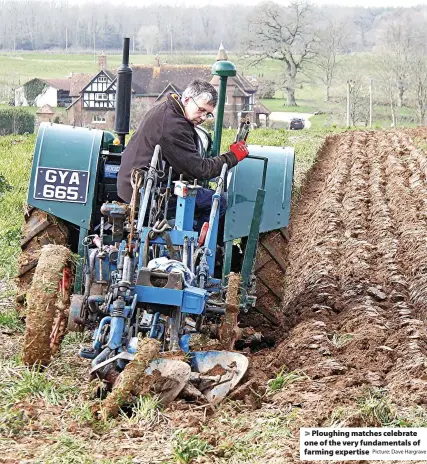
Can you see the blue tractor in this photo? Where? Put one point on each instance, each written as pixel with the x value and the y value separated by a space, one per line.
pixel 142 272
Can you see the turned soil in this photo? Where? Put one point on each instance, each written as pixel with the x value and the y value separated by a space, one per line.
pixel 351 338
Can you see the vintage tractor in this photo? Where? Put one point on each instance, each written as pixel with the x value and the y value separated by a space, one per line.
pixel 142 271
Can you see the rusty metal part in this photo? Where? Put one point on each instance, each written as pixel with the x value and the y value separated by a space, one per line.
pixel 228 330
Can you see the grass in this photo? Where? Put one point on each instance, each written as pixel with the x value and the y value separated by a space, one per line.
pixel 340 340
pixel 145 410
pixel 9 319
pixel 250 443
pixel 70 449
pixel 15 164
pixel 186 448
pixel 283 379
pixel 375 408
pixel 372 408
pixel 20 387
pixel 22 383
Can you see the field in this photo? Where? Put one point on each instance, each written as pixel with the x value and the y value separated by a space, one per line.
pixel 351 344
pixel 17 68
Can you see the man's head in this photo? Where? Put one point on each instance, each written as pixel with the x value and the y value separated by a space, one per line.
pixel 199 100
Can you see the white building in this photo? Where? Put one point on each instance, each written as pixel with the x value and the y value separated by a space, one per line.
pixel 52 92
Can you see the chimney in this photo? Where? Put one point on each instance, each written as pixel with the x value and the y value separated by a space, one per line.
pixel 102 61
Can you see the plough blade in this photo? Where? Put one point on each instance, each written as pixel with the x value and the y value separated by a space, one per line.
pixel 172 375
pixel 216 373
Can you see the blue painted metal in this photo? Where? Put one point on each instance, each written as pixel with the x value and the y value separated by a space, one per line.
pixel 107 267
pixel 132 345
pixel 97 345
pixel 184 343
pixel 177 236
pixel 111 171
pixel 193 301
pixel 66 147
pixel 184 217
pixel 247 178
pixel 153 330
pixel 166 296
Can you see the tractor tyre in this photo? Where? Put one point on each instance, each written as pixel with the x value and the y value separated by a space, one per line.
pixel 48 300
pixel 39 229
pixel 270 269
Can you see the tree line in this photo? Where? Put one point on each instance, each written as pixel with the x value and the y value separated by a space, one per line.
pixel 44 24
pixel 309 41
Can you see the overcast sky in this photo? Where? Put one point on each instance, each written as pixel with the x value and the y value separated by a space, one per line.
pixel 364 3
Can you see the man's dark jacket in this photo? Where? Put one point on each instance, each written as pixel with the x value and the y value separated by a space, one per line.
pixel 166 125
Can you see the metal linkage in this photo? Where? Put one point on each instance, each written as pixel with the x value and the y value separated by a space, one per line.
pixel 148 187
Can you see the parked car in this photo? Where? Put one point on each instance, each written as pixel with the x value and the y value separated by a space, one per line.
pixel 296 124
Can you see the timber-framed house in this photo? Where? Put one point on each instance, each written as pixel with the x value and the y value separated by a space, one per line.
pixel 94 96
pixel 100 92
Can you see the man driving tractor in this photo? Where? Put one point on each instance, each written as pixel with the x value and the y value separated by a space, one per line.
pixel 171 124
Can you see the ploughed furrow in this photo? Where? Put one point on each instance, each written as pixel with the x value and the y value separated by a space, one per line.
pixel 354 267
pixel 315 235
pixel 416 164
pixel 412 255
pixel 312 283
pixel 355 279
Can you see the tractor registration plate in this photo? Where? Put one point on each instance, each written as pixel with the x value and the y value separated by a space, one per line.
pixel 67 185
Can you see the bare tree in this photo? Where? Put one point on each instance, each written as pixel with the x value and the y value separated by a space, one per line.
pixel 284 34
pixel 332 39
pixel 397 39
pixel 138 110
pixel 387 79
pixel 148 38
pixel 418 78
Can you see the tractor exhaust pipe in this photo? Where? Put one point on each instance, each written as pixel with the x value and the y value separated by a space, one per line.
pixel 123 95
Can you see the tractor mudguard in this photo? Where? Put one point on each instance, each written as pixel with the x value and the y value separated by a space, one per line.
pixel 63 174
pixel 246 180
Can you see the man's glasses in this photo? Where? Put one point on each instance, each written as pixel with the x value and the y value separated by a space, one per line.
pixel 204 112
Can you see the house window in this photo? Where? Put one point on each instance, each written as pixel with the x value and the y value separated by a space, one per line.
pixel 102 79
pixel 98 119
pixel 101 96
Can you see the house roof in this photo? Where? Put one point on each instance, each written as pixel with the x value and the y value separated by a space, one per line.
pixel 155 80
pixel 45 109
pixel 59 84
pixel 74 102
pixel 152 80
pixel 79 81
pixel 243 87
pixel 259 108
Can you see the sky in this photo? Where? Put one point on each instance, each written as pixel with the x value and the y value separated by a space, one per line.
pixel 199 3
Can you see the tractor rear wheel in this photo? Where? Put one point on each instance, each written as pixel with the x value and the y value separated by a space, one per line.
pixel 270 269
pixel 48 302
pixel 39 229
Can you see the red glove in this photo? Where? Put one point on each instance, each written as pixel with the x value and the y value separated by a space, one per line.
pixel 239 149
